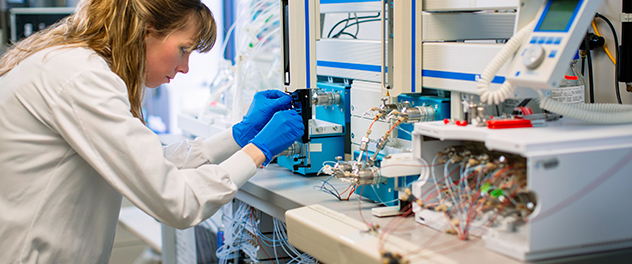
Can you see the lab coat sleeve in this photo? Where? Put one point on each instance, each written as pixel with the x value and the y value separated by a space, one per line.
pixel 92 114
pixel 192 154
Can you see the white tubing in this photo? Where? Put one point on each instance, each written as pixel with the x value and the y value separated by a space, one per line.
pixel 590 113
pixel 506 90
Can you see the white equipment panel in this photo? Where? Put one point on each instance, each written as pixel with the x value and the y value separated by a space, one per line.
pixel 467 26
pixel 443 66
pixel 465 5
pixel 547 52
pixel 347 58
pixel 345 240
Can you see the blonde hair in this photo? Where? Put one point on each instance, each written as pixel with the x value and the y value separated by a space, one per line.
pixel 116 30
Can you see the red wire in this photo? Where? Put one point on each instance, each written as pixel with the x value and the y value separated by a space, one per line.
pixel 391 226
pixel 351 192
pixel 360 205
pixel 252 217
pixel 345 190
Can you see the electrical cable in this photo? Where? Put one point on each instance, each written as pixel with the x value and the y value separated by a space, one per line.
pixel 506 90
pixel 347 20
pixel 524 102
pixel 252 218
pixel 357 26
pixel 353 24
pixel 323 188
pixel 348 34
pixel 591 87
pixel 614 35
pixel 605 46
pixel 616 50
pixel 233 235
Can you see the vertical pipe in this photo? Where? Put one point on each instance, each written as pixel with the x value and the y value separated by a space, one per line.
pixel 383 45
pixel 229 19
pixel 285 27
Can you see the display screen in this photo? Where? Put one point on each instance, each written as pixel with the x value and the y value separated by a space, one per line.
pixel 558 16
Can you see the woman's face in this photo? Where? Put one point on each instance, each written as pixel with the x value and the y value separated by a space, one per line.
pixel 167 55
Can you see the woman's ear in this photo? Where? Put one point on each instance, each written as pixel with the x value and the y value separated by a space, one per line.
pixel 150 29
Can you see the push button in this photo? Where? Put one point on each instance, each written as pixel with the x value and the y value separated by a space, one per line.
pixel 534 40
pixel 558 41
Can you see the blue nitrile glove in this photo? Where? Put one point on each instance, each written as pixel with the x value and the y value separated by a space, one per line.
pixel 264 105
pixel 284 128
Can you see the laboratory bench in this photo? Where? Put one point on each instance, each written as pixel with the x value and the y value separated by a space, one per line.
pixel 343 238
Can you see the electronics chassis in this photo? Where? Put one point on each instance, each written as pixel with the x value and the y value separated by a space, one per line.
pixel 580 174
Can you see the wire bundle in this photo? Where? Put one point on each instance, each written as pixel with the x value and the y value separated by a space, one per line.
pixel 257 35
pixel 234 233
pixel 474 189
pixel 280 240
pixel 243 234
pixel 358 21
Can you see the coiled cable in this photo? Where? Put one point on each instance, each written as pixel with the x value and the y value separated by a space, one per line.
pixel 506 90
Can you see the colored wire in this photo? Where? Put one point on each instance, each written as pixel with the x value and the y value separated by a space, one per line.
pixel 252 218
pixel 323 187
pixel 605 46
pixel 614 35
pixel 360 205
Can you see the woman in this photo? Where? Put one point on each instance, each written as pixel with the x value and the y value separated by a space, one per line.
pixel 72 140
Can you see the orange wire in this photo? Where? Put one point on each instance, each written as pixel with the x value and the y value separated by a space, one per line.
pixel 351 192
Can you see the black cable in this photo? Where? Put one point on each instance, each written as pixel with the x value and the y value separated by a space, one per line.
pixel 345 33
pixel 524 102
pixel 353 24
pixel 616 52
pixel 497 111
pixel 347 20
pixel 612 29
pixel 357 26
pixel 590 72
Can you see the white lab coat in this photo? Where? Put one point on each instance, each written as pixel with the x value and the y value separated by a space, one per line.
pixel 69 148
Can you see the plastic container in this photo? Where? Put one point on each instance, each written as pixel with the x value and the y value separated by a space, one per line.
pixel 572 86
